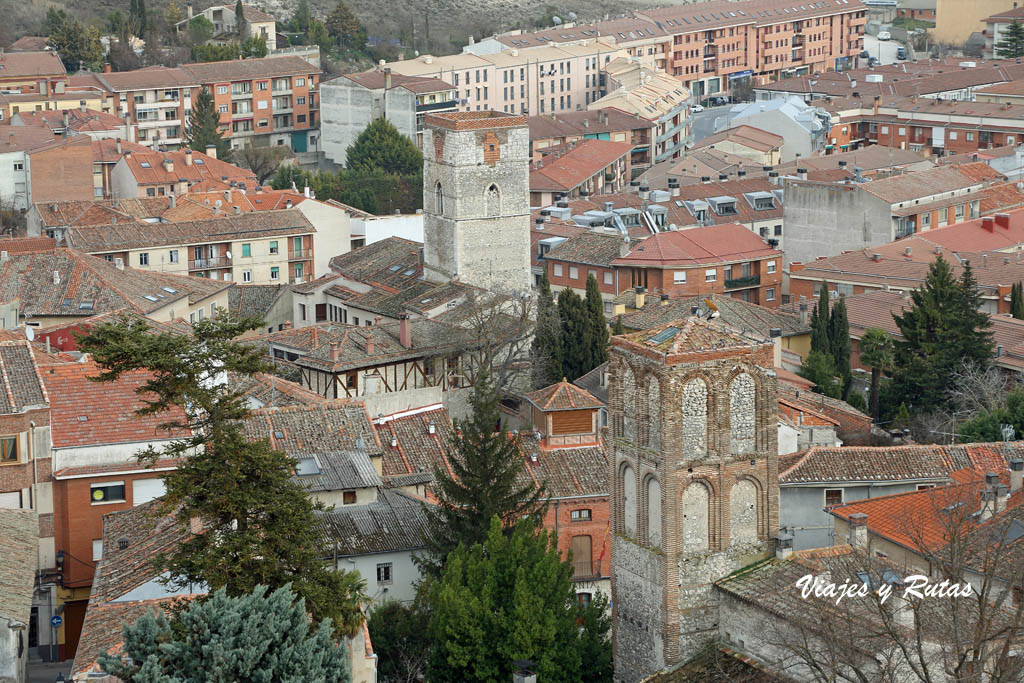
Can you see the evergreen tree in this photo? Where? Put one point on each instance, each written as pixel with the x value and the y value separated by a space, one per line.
pixel 597 325
pixel 1017 301
pixel 506 599
pixel 839 344
pixel 137 17
pixel 260 524
pixel 817 368
pixel 876 351
pixel 618 328
pixel 173 14
pixel 239 18
pixel 253 637
pixel 1012 44
pixel 253 47
pixel 302 17
pixel 79 46
pixel 819 323
pixel 381 146
pixel 595 651
pixel 943 328
pixel 200 30
pixel 317 34
pixel 401 641
pixel 345 28
pixel 547 340
pixel 576 344
pixel 54 21
pixel 203 126
pixel 486 481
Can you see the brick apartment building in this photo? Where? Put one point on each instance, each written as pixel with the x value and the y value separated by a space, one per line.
pixel 156 99
pixel 32 72
pixel 591 167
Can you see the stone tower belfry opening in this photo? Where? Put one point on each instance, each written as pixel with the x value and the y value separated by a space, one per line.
pixel 693 472
pixel 476 188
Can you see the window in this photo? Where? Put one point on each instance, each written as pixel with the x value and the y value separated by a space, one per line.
pixel 959 212
pixel 150 192
pixel 558 270
pixel 608 278
pixel 246 276
pixel 262 85
pixel 943 216
pixel 771 267
pixel 298 271
pixel 8 450
pixel 97 549
pixel 348 497
pixel 769 294
pixel 679 277
pixel 300 100
pixel 901 131
pixel 582 556
pixel 144 258
pixel 580 515
pixel 109 492
pixel 926 220
pixel 246 250
pixel 275 273
pixel 710 275
pixel 833 497
pixel 222 109
pixel 574 272
pixel 885 130
pixel 19 166
pixel 273 247
pixel 300 82
pixel 222 90
pixel 970 136
pixel 925 487
pixel 384 574
pixel 952 135
pixel 172 255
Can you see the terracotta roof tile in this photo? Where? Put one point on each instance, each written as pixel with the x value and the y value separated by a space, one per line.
pixel 714 244
pixel 588 159
pixel 588 248
pixel 736 313
pixel 151 168
pixel 745 135
pixel 375 80
pixel 246 69
pixel 32 64
pixel 563 396
pixel 902 188
pixel 688 335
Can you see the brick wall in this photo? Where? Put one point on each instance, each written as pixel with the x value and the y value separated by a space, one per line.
pixel 63 172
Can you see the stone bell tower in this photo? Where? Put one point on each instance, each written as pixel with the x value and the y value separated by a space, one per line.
pixel 476 191
pixel 693 471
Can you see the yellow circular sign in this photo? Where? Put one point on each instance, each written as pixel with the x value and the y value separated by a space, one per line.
pixel 97 494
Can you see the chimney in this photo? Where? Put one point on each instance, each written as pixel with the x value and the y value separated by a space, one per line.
pixel 664 299
pixel 211 151
pixel 431 428
pixel 624 248
pixel 119 263
pixel 988 223
pixel 188 10
pixel 906 251
pixel 288 203
pixel 335 351
pixel 168 165
pixel 119 147
pixel 639 303
pixel 993 498
pixel 387 78
pixel 1016 475
pixel 404 331
pixel 172 201
pixel 859 530
pixel 306 193
pixel 195 523
pixel 773 177
pixel 1003 220
pixel 783 546
pixel 369 344
pixel 877 102
pixel 804 318
pixel 237 211
pixel 876 257
pixel 188 156
pixel 56 277
pixel 609 206
pixel 802 172
pixel 775 334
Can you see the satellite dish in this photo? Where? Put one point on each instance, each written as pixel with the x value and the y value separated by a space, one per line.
pixel 556 20
pixel 228 253
pixel 572 16
pixel 30 333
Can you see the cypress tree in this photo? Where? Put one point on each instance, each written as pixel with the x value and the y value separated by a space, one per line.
pixel 484 483
pixel 596 324
pixel 839 343
pixel 239 17
pixel 820 323
pixel 618 328
pixel 203 126
pixel 1017 301
pixel 576 344
pixel 548 350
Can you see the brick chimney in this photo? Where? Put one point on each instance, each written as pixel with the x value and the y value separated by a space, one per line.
pixel 188 156
pixel 988 223
pixel 993 498
pixel 335 351
pixel 1003 220
pixel 211 151
pixel 1016 475
pixel 640 292
pixel 369 345
pixel 168 165
pixel 404 331
pixel 859 530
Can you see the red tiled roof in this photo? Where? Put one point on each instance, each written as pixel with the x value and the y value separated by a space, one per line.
pixel 246 69
pixel 979 171
pixel 746 135
pixel 88 413
pixel 715 244
pixel 78 120
pixel 31 64
pixel 925 183
pixel 563 396
pixel 375 80
pixel 105 151
pixel 148 168
pixel 28 44
pixel 588 159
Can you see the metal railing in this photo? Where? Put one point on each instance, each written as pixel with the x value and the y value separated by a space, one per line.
pixel 739 282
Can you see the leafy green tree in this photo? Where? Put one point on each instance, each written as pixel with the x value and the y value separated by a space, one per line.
pixel 819 323
pixel 200 30
pixel 597 325
pixel 486 481
pixel 547 340
pixel 213 52
pixel 876 352
pixel 116 22
pixel 344 27
pixel 595 651
pixel 400 638
pixel 203 126
pixel 618 328
pixel 173 14
pixel 506 599
pixel 317 34
pixel 54 21
pixel 576 343
pixel 943 328
pixel 302 18
pixel 253 637
pixel 817 367
pixel 260 524
pixel 254 47
pixel 839 344
pixel 381 146
pixel 987 425
pixel 79 46
pixel 1012 44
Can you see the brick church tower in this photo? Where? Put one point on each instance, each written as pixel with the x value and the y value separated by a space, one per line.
pixel 476 189
pixel 693 467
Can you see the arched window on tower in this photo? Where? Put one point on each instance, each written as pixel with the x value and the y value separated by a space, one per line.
pixel 628 475
pixel 696 520
pixel 743 512
pixel 742 396
pixel 493 201
pixel 653 512
pixel 438 199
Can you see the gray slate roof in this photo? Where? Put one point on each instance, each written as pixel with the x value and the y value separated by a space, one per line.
pixel 19 530
pixel 394 522
pixel 19 381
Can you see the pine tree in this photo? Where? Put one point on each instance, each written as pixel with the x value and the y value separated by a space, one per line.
pixel 943 328
pixel 576 344
pixel 1017 301
pixel 839 344
pixel 137 17
pixel 1012 44
pixel 618 328
pixel 819 323
pixel 485 481
pixel 510 598
pixel 381 147
pixel 253 637
pixel 239 18
pixel 597 325
pixel 261 526
pixel 547 341
pixel 345 28
pixel 302 17
pixel 818 369
pixel 876 351
pixel 203 126
pixel 78 45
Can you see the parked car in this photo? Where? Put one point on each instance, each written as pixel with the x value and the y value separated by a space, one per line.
pixel 901 52
pixel 884 35
pixel 696 108
pixel 873 61
pixel 864 54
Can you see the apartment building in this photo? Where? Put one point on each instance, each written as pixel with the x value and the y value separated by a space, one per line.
pixel 32 72
pixel 36 166
pixel 606 123
pixel 269 101
pixel 78 121
pixel 592 167
pixel 12 102
pixel 158 174
pixel 156 99
pixel 264 248
pixel 996 25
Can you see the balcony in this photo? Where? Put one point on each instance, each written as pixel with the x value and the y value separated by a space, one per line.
pixel 799 40
pixel 299 254
pixel 436 106
pixel 583 568
pixel 743 282
pixel 207 263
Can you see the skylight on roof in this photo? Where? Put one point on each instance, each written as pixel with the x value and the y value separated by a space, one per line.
pixel 664 335
pixel 169 290
pixel 144 164
pixel 411 271
pixel 307 466
pixel 85 306
pixel 198 161
pixel 395 269
pixel 278 434
pixel 148 297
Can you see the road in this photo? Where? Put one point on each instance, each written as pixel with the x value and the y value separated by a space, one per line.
pixel 884 50
pixel 703 123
